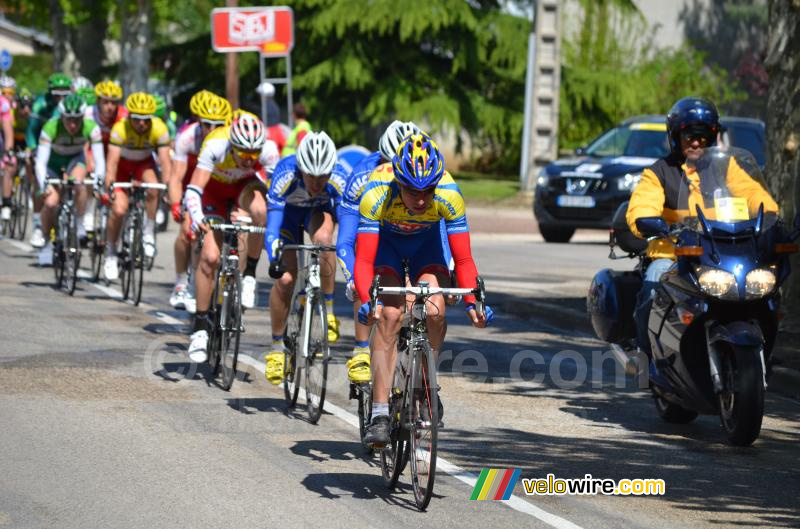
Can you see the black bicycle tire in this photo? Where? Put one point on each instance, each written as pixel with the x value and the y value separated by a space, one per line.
pixel 426 388
pixel 125 255
pixel 364 413
pixel 72 258
pixel 137 265
pixel 14 220
pixel 313 362
pixel 25 187
pixel 393 456
pixel 291 332
pixel 58 252
pixel 213 336
pixel 231 334
pixel 98 244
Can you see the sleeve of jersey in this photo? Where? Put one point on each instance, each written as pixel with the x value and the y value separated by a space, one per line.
pixel 276 204
pixel 273 233
pixel 371 207
pixel 182 144
pixel 205 160
pixel 161 134
pixel 366 250
pixel 466 271
pixel 34 122
pixel 117 135
pixel 450 204
pixel 42 157
pixel 346 240
pixel 99 159
pixel 269 157
pixel 647 200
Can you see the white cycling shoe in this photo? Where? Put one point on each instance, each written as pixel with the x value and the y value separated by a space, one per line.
pixel 149 243
pixel 248 292
pixel 178 297
pixel 198 347
pixel 111 268
pixel 37 237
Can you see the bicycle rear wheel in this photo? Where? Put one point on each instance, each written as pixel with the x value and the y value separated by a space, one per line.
pixel 72 254
pixel 424 424
pixel 291 340
pixel 316 357
pixel 229 345
pixel 364 411
pixel 125 257
pixel 214 335
pixel 23 198
pixel 14 218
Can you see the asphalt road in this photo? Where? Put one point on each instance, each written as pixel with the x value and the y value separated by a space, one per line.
pixel 105 422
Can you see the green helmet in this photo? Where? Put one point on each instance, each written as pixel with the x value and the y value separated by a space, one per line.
pixel 59 83
pixel 72 106
pixel 25 97
pixel 87 93
pixel 161 106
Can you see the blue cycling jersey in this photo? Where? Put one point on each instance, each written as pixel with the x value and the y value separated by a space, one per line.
pixel 287 189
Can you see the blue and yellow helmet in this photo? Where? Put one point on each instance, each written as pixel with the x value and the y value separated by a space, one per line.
pixel 418 163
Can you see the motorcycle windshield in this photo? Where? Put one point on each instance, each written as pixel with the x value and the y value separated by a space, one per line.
pixel 727 186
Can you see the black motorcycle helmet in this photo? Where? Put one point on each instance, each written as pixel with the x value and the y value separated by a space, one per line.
pixel 694 114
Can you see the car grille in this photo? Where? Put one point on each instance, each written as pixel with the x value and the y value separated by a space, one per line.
pixel 595 184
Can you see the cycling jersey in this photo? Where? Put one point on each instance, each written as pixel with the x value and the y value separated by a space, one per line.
pixel 41 112
pixel 93 113
pixel 187 146
pixel 289 203
pixel 390 232
pixel 20 127
pixel 5 115
pixel 57 149
pixel 216 156
pixel 139 147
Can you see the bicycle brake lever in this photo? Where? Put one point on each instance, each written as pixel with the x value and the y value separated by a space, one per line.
pixel 480 296
pixel 373 294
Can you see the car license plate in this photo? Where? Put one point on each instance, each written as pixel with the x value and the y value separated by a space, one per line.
pixel 569 201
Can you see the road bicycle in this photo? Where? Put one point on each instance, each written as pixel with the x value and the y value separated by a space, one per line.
pixel 66 245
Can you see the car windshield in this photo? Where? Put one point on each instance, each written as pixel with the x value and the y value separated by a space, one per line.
pixel 630 140
pixel 747 138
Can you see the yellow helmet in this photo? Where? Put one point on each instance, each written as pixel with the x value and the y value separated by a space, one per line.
pixel 141 103
pixel 214 108
pixel 108 90
pixel 197 100
pixel 241 112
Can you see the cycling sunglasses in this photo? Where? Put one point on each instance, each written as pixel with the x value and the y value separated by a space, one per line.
pixel 211 124
pixel 247 155
pixel 702 137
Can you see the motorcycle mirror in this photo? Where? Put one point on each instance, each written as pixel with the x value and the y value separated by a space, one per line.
pixel 652 226
pixel 580 151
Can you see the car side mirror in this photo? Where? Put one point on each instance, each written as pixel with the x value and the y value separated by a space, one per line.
pixel 652 226
pixel 580 151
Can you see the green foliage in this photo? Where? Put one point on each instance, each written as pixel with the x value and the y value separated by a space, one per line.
pixel 31 71
pixel 604 81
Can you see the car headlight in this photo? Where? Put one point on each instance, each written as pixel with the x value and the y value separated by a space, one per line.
pixel 759 283
pixel 716 282
pixel 543 179
pixel 628 181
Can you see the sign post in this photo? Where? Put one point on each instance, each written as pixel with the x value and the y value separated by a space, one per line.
pixel 5 61
pixel 267 30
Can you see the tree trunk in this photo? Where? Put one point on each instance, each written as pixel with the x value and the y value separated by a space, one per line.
pixel 88 38
pixel 60 35
pixel 783 128
pixel 136 17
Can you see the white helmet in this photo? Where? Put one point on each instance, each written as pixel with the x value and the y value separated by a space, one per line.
pixel 394 136
pixel 247 133
pixel 81 82
pixel 316 154
pixel 266 89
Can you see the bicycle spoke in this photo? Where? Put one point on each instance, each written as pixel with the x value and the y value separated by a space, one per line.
pixel 229 348
pixel 316 357
pixel 424 422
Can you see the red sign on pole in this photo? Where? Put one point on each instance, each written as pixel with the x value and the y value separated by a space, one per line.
pixel 269 30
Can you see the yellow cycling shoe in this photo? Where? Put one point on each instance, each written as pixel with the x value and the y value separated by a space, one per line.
pixel 333 328
pixel 275 366
pixel 358 370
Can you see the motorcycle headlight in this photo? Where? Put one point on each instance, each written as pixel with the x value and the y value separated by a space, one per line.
pixel 759 283
pixel 716 282
pixel 628 181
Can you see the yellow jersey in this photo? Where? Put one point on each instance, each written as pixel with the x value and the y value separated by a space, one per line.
pixel 216 157
pixel 137 147
pixel 382 208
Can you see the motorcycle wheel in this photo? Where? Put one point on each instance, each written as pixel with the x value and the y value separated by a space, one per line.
pixel 741 403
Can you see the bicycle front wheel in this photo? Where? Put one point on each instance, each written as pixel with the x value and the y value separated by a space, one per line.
pixel 72 253
pixel 229 345
pixel 291 341
pixel 98 242
pixel 317 356
pixel 424 424
pixel 59 264
pixel 23 198
pixel 137 265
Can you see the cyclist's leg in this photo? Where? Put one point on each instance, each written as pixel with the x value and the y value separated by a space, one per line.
pixel 119 205
pixel 49 206
pixel 252 200
pixel 429 264
pixel 149 176
pixel 206 271
pixel 281 293
pixel 319 224
pixel 77 171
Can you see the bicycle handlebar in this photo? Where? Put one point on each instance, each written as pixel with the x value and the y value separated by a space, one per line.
pixel 60 181
pixel 237 228
pixel 425 291
pixel 141 185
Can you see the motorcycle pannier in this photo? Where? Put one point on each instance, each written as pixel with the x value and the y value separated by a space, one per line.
pixel 611 302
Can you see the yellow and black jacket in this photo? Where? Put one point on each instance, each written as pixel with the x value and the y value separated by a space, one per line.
pixel 671 190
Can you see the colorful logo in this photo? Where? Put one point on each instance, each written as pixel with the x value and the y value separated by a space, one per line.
pixel 495 484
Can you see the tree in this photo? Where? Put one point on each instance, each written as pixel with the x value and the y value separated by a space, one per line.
pixel 136 31
pixel 783 126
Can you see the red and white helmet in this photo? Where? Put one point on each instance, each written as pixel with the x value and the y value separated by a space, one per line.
pixel 247 133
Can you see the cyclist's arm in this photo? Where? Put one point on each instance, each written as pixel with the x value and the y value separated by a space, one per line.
pixel 42 157
pixel 274 221
pixel 200 177
pixel 647 200
pixel 347 217
pixel 175 188
pixel 364 270
pixel 99 160
pixel 112 163
pixel 34 124
pixel 164 162
pixel 466 271
pixel 8 133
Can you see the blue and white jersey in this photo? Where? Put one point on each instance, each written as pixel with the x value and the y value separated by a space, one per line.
pixel 287 187
pixel 347 214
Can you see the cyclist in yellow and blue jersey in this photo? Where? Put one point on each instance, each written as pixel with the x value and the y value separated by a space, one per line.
pixel 400 212
pixel 133 142
pixel 305 191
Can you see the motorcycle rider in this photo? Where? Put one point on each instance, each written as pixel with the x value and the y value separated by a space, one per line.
pixel 670 188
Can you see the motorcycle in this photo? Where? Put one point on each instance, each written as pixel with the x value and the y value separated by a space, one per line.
pixel 715 313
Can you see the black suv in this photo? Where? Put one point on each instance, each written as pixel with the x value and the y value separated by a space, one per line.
pixel 585 191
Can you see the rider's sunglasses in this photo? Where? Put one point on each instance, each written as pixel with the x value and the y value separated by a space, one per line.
pixel 209 124
pixel 140 120
pixel 428 191
pixel 247 155
pixel 690 136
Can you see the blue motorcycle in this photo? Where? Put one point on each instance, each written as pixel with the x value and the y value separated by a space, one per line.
pixel 714 317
